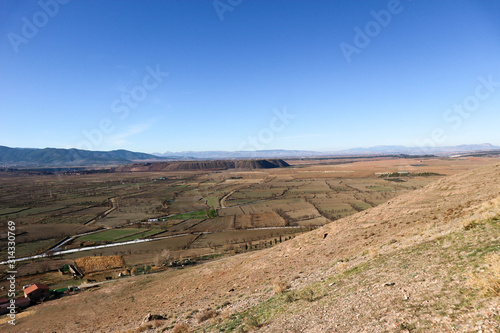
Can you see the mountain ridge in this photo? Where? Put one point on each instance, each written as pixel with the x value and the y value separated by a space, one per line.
pixel 33 157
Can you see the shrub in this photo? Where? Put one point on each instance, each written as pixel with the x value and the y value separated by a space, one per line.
pixel 144 327
pixel 308 295
pixel 280 287
pixel 163 258
pixel 471 224
pixel 150 322
pixel 205 315
pixel 290 297
pixel 181 328
pixel 253 322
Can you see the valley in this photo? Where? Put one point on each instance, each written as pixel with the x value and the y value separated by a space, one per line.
pixel 165 222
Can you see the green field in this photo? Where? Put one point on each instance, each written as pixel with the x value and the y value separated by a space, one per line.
pixel 379 188
pixel 31 248
pixel 201 214
pixel 112 235
pixel 143 234
pixel 212 202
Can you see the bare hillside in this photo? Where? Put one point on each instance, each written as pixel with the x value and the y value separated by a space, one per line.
pixel 402 266
pixel 202 165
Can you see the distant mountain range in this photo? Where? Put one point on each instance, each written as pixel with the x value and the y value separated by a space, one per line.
pixel 422 150
pixel 220 154
pixel 57 157
pixel 377 150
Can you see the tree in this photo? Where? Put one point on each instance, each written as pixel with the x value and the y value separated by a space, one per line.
pixel 163 258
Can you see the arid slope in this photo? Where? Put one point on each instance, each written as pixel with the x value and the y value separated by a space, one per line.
pixel 347 276
pixel 202 165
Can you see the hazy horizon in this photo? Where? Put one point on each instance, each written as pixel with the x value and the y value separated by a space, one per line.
pixel 281 149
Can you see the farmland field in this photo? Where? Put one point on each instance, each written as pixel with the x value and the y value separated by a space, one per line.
pixel 186 216
pixel 116 235
pixel 198 213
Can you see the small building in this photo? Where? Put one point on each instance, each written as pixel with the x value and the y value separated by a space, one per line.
pixel 75 271
pixel 152 220
pixel 37 292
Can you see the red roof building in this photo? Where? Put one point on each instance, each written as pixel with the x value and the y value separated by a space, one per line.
pixel 37 292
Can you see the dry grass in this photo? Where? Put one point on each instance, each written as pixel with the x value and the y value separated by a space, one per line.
pixel 144 328
pixel 469 224
pixel 373 253
pixel 488 281
pixel 481 213
pixel 307 295
pixel 181 328
pixel 157 323
pixel 253 322
pixel 341 266
pixel 290 297
pixel 100 263
pixel 280 287
pixel 205 315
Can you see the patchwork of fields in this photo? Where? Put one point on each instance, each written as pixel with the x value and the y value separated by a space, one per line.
pixel 195 213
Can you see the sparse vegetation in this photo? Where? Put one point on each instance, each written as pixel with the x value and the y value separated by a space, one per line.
pixel 290 297
pixel 253 322
pixel 205 315
pixel 307 295
pixel 181 328
pixel 163 258
pixel 411 174
pixel 341 266
pixel 373 253
pixel 488 281
pixel 280 287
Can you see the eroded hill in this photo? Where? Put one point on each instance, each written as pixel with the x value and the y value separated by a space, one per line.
pixel 203 165
pixel 406 265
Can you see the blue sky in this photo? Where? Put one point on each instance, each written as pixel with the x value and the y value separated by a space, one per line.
pixel 251 74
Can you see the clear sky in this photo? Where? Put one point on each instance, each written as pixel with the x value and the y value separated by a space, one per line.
pixel 156 76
